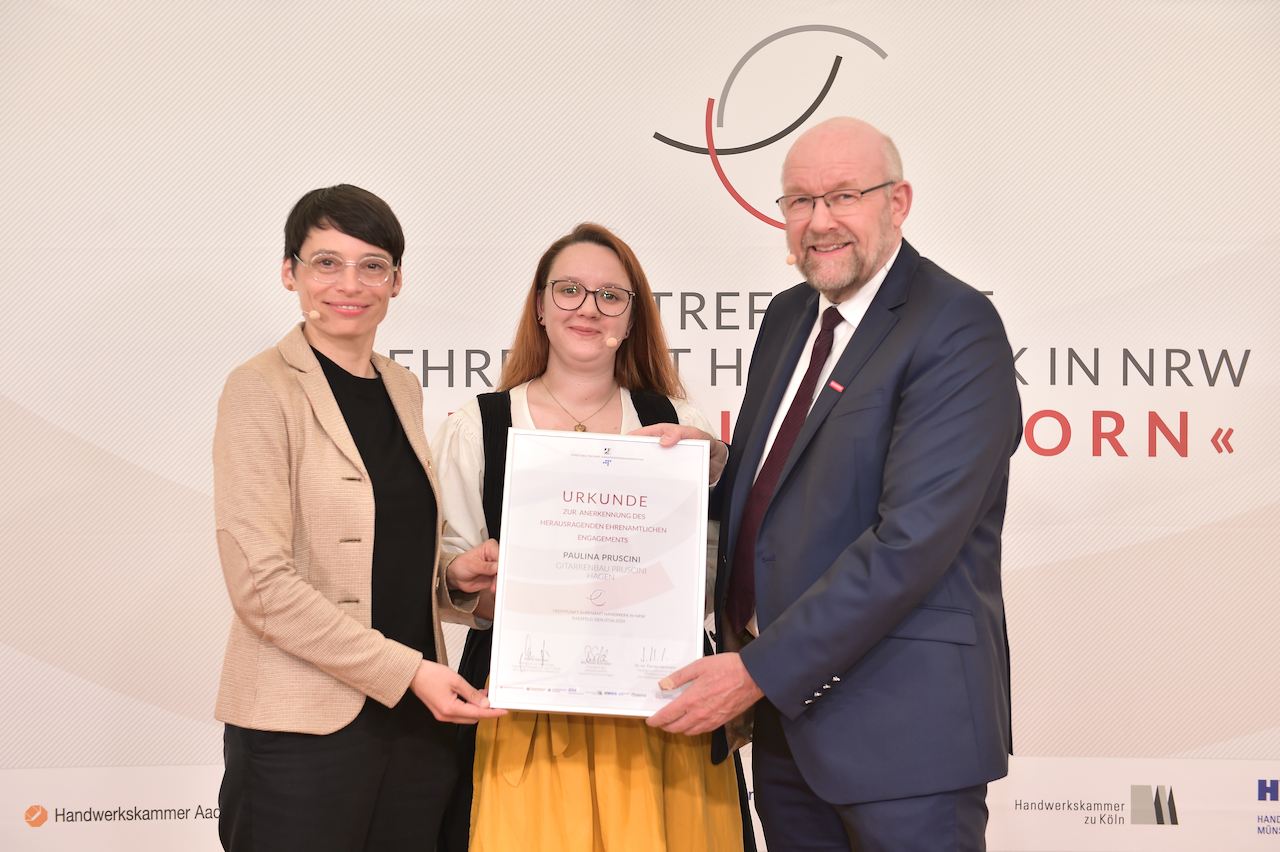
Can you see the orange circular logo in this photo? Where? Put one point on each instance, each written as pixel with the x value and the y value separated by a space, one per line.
pixel 35 816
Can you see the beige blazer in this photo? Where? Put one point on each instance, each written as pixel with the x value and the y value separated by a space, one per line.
pixel 294 509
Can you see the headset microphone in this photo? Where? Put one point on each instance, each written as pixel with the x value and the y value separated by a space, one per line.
pixel 791 260
pixel 611 342
pixel 311 314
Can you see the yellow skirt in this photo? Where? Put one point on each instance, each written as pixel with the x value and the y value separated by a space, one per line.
pixel 599 784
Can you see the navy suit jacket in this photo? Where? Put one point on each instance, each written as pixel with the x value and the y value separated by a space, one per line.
pixel 877 565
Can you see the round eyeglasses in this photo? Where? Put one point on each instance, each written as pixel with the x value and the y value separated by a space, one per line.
pixel 372 271
pixel 569 295
pixel 798 208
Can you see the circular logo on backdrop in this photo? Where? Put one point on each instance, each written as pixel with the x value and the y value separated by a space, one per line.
pixel 35 816
pixel 711 151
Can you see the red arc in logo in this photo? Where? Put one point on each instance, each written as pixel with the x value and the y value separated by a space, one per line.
pixel 710 150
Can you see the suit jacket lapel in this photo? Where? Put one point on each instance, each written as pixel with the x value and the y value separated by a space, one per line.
pixel 871 332
pixel 787 357
pixel 297 352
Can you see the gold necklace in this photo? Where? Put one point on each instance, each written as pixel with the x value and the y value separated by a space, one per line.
pixel 578 426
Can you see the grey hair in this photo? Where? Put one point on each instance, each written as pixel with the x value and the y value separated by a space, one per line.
pixel 892 159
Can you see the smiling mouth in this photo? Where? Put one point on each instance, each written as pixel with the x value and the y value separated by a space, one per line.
pixel 828 249
pixel 349 311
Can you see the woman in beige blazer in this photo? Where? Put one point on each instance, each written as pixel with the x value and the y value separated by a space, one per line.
pixel 336 694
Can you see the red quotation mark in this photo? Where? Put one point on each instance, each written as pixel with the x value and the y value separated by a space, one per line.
pixel 1226 440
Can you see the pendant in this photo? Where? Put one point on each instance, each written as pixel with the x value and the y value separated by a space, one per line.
pixel 579 428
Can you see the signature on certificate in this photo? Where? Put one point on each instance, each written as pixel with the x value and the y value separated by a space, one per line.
pixel 597 654
pixel 653 654
pixel 596 597
pixel 533 658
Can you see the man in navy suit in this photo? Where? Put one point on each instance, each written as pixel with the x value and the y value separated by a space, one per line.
pixel 858 592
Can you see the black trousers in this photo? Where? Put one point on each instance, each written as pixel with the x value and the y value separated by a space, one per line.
pixel 794 818
pixel 380 783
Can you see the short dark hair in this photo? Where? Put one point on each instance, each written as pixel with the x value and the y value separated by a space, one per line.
pixel 354 211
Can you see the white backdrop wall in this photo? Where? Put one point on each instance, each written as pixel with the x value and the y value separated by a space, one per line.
pixel 1105 170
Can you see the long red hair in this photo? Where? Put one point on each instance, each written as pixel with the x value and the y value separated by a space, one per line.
pixel 642 361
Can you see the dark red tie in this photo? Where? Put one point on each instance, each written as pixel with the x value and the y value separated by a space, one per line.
pixel 740 597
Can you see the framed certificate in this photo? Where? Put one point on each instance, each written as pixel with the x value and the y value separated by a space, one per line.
pixel 600 572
